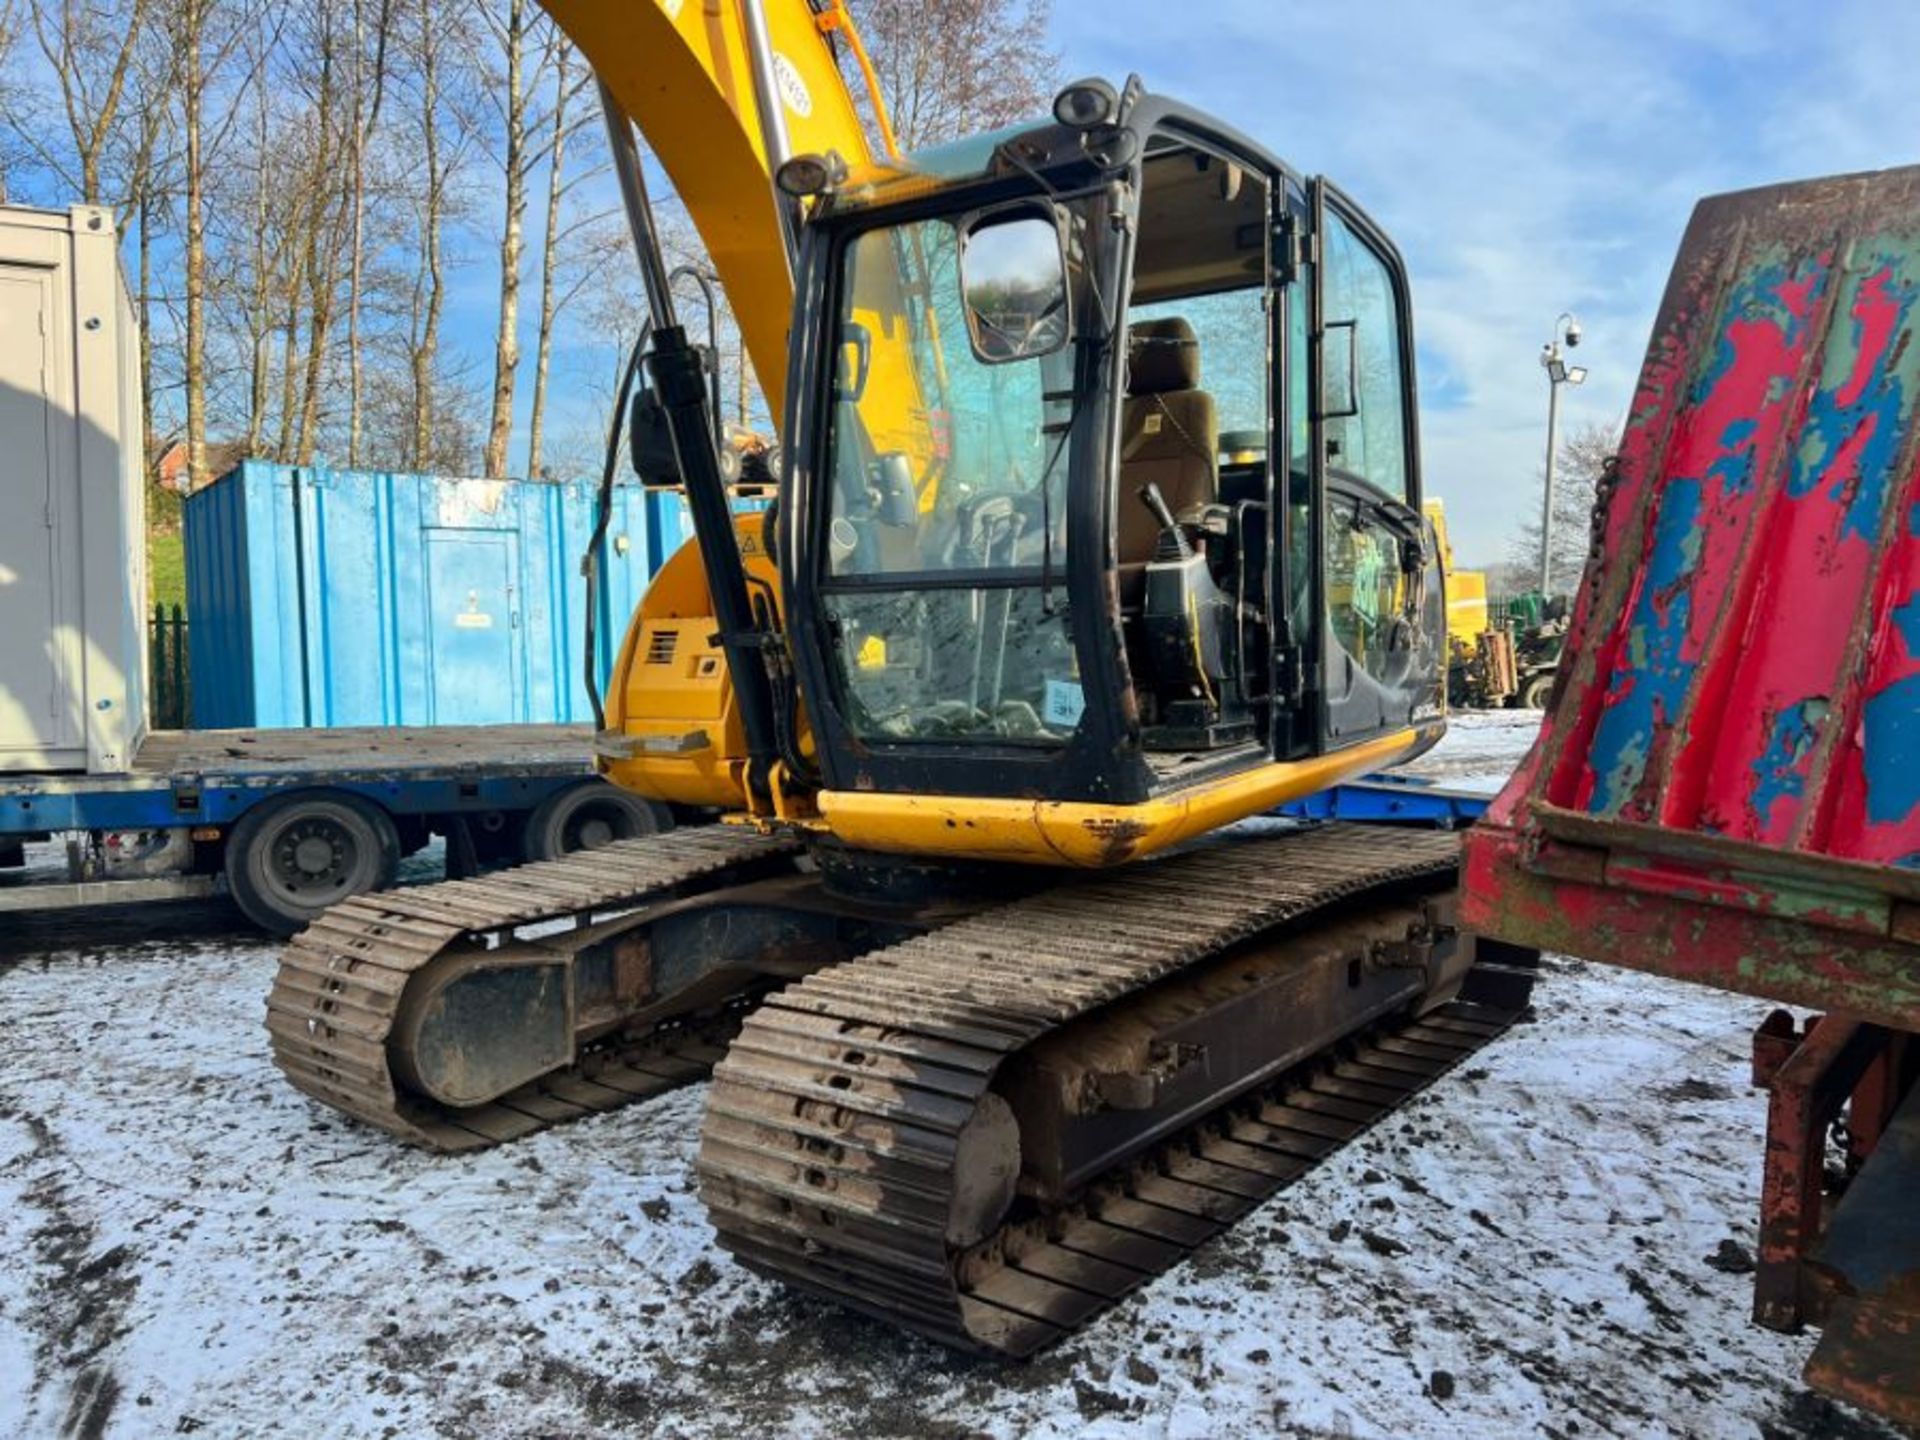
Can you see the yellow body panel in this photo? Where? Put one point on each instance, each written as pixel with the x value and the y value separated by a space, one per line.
pixel 1050 832
pixel 1467 613
pixel 675 733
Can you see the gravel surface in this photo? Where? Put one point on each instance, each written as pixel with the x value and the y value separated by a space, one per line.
pixel 1547 1244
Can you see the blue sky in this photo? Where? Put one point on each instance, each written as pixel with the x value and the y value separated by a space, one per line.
pixel 1528 158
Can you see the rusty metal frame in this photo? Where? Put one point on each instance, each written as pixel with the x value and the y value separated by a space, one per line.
pixel 1807 1094
pixel 1836 1246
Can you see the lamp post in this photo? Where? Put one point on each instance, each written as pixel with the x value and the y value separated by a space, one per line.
pixel 1565 329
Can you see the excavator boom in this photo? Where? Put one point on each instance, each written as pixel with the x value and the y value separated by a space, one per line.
pixel 685 74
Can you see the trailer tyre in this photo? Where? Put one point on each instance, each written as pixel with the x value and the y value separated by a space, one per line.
pixel 585 817
pixel 1535 691
pixel 289 859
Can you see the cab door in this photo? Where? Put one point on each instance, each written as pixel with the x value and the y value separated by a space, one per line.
pixel 1378 578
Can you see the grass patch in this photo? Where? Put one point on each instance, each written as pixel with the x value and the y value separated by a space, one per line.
pixel 166 569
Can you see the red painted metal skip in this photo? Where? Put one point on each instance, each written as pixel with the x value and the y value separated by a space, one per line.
pixel 1726 787
pixel 1739 728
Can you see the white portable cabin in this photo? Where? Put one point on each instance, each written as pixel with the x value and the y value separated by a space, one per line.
pixel 72 502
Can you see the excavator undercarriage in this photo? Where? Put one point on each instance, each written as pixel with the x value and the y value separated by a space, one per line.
pixel 985 1119
pixel 466 1014
pixel 991 1132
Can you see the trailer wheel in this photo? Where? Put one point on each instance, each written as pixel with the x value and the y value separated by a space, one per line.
pixel 1535 691
pixel 289 859
pixel 585 817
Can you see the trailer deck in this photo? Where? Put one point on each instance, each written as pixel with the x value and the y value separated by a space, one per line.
pixel 185 777
pixel 203 781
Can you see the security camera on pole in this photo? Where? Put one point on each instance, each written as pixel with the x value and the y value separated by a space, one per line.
pixel 1565 329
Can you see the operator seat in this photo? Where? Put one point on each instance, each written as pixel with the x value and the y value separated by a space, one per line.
pixel 1169 436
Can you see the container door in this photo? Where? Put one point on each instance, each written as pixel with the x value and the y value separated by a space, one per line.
pixel 39 584
pixel 475 639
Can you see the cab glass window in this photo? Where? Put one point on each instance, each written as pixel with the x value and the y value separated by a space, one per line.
pixel 941 461
pixel 1370 445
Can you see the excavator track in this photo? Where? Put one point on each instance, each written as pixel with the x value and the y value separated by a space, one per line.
pixel 342 983
pixel 837 1130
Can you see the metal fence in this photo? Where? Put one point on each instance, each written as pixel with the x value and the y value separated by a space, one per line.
pixel 169 697
pixel 1516 612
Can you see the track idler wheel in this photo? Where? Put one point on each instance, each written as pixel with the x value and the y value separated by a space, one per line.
pixel 478 1024
pixel 986 1171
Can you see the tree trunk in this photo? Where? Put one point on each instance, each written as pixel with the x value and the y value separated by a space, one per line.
pixel 364 122
pixel 323 283
pixel 193 17
pixel 260 302
pixel 549 247
pixel 426 346
pixel 322 251
pixel 290 350
pixel 142 306
pixel 506 345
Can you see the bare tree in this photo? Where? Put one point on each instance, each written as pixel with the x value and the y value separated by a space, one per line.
pixel 325 234
pixel 949 68
pixel 369 89
pixel 563 77
pixel 191 22
pixel 90 51
pixel 1584 451
pixel 522 51
pixel 150 177
pixel 440 157
pixel 9 42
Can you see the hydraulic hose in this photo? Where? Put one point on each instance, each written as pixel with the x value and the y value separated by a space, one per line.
pixel 603 518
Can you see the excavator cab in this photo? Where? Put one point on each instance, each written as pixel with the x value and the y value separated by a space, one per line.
pixel 1020 559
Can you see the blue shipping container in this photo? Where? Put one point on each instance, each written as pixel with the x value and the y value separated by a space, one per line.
pixel 336 597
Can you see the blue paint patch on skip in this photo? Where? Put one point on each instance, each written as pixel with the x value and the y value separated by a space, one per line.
pixel 1756 298
pixel 1892 725
pixel 1649 689
pixel 1734 468
pixel 1779 773
pixel 1881 411
pixel 1734 471
pixel 1892 733
pixel 1906 619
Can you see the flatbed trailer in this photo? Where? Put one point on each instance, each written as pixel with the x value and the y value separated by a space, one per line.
pixel 285 820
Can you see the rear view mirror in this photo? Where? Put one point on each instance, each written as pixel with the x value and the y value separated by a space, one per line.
pixel 1013 282
pixel 1339 370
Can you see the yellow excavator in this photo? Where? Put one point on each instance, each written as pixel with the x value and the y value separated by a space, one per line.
pixel 1009 996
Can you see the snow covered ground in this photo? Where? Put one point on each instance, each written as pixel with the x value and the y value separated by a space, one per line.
pixel 189 1246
